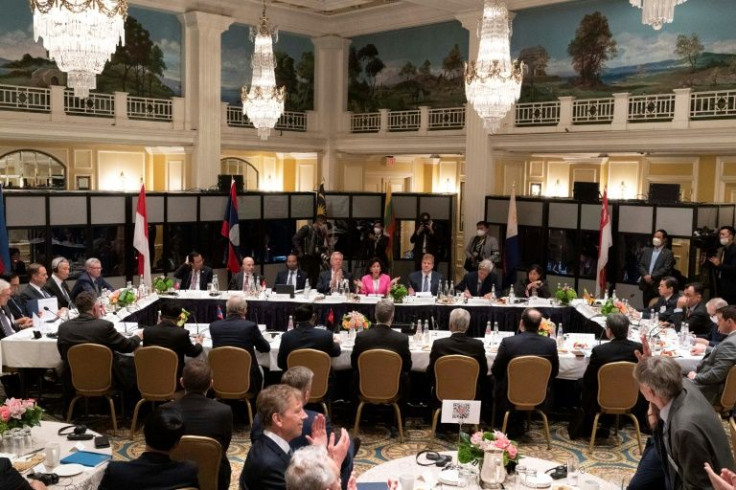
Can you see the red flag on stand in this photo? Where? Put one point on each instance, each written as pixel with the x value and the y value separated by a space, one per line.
pixel 140 238
pixel 231 230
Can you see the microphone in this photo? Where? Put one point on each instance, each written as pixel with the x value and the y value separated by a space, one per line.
pixel 57 317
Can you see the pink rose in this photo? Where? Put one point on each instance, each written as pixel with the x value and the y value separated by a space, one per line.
pixel 476 438
pixel 16 408
pixel 501 439
pixel 4 413
pixel 512 451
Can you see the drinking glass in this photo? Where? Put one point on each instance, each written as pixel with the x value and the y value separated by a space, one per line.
pixel 572 470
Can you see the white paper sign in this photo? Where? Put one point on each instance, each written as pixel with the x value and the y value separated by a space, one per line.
pixel 460 412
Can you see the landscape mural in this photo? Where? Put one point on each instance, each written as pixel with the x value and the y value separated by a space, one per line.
pixel 294 56
pixel 407 68
pixel 149 64
pixel 594 48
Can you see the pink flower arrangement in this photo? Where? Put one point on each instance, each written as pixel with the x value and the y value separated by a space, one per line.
pixel 472 447
pixel 16 413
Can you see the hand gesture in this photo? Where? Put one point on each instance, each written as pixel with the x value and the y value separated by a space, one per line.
pixel 715 261
pixel 199 338
pixel 395 280
pixel 338 450
pixel 726 480
pixel 646 349
pixel 319 432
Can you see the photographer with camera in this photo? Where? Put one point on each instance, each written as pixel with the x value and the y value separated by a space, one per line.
pixel 480 247
pixel 425 240
pixel 310 243
pixel 193 273
pixel 725 265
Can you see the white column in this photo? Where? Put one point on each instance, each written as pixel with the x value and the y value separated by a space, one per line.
pixel 479 161
pixel 201 87
pixel 330 99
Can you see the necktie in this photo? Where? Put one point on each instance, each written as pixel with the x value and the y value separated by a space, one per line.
pixel 246 282
pixel 291 279
pixel 195 280
pixel 480 287
pixel 44 293
pixel 425 288
pixel 7 328
pixel 64 293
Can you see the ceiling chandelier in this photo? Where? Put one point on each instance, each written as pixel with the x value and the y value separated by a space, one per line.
pixel 493 81
pixel 656 13
pixel 80 35
pixel 264 103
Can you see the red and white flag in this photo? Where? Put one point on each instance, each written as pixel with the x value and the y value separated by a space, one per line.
pixel 140 238
pixel 605 242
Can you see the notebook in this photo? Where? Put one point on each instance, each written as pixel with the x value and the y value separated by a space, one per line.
pixel 86 458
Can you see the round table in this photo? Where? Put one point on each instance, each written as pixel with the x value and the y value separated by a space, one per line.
pixel 90 478
pixel 407 465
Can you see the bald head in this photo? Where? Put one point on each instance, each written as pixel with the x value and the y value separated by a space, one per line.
pixel 530 320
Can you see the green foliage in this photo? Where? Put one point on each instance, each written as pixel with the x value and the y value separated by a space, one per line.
pixel 565 294
pixel 592 47
pixel 689 48
pixel 127 297
pixel 162 284
pixel 16 413
pixel 398 292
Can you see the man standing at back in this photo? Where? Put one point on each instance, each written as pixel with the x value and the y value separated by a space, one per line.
pixel 236 331
pixel 204 416
pixel 306 336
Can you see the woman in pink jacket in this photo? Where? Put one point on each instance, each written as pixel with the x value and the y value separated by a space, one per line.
pixel 375 282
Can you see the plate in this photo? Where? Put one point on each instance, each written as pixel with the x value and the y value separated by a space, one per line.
pixel 69 469
pixel 539 481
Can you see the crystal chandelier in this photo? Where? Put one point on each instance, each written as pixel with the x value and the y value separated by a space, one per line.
pixel 493 81
pixel 656 13
pixel 264 103
pixel 80 35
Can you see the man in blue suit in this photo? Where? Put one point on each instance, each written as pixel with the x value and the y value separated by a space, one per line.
pixel 193 273
pixel 292 274
pixel 306 336
pixel 426 279
pixel 91 279
pixel 236 331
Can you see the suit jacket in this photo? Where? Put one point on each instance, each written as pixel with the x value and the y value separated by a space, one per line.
pixel 713 369
pixel 384 284
pixel 382 337
pixel 167 334
pixel 323 283
pixel 150 470
pixel 662 268
pixel 6 310
pixel 236 283
pixel 16 307
pixel 433 243
pixel 523 344
pixel 521 291
pixel 306 336
pixel 239 332
pixel 88 329
pixel 665 308
pixel 30 293
pixel 10 479
pixel 265 466
pixel 459 343
pixel 54 290
pixel 184 273
pixel 470 282
pixel 697 319
pixel 726 274
pixel 614 351
pixel 417 277
pixel 210 418
pixel 693 435
pixel 86 283
pixel 283 276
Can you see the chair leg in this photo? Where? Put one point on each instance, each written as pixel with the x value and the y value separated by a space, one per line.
pixel 638 432
pixel 595 429
pixel 250 412
pixel 732 426
pixel 358 414
pixel 112 414
pixel 135 416
pixel 618 423
pixel 546 428
pixel 397 410
pixel 528 420
pixel 434 422
pixel 71 408
pixel 324 407
pixel 493 417
pixel 505 421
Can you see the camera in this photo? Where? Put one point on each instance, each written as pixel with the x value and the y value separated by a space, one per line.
pixel 47 479
pixel 707 241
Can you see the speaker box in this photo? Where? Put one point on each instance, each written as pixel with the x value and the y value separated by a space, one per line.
pixel 223 182
pixel 664 193
pixel 585 191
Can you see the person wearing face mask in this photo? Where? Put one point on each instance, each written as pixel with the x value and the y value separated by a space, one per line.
pixel 376 244
pixel 482 246
pixel 655 263
pixel 725 265
pixel 425 240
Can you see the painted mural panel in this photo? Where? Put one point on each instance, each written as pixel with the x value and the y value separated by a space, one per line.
pixel 149 65
pixel 406 68
pixel 294 56
pixel 594 48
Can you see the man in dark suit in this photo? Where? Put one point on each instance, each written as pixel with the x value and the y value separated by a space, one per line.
pixel 11 307
pixel 481 282
pixel 169 335
pixel 306 336
pixel 88 327
pixel 460 344
pixel 193 273
pixel 426 279
pixel 236 331
pixel 281 412
pixel 154 468
pixel 204 416
pixel 667 302
pixel 35 290
pixel 310 243
pixel 655 263
pixel 527 343
pixel 425 239
pixel 246 280
pixel 330 280
pixel 15 303
pixel 8 326
pixel 56 285
pixel 725 264
pixel 292 275
pixel 91 279
pixel 300 377
pixel 710 375
pixel 691 309
pixel 716 337
pixel 691 431
pixel 618 349
pixel 11 479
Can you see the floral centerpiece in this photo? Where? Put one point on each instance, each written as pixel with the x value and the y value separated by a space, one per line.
pixel 565 294
pixel 547 328
pixel 611 306
pixel 162 284
pixel 355 321
pixel 16 413
pixel 472 448
pixel 123 297
pixel 183 317
pixel 398 292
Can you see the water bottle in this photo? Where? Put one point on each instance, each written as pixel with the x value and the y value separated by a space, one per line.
pixel 493 291
pixel 488 334
pixel 614 295
pixel 685 335
pixel 426 332
pixel 452 286
pixel 605 295
pixel 307 287
pixel 512 295
pixel 216 283
pixel 560 336
pixel 290 325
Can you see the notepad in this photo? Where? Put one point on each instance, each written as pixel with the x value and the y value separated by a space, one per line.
pixel 373 486
pixel 86 458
